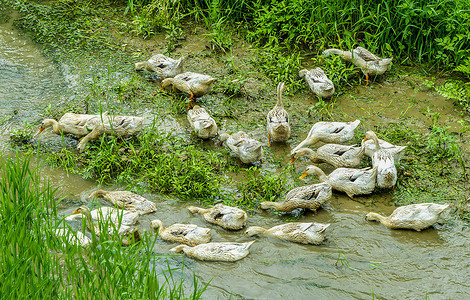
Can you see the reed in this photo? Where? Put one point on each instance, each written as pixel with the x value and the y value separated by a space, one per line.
pixel 34 263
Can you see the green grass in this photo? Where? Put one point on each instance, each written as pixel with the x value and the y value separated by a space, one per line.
pixel 35 264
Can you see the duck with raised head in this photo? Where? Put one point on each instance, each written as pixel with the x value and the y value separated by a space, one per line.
pixel 193 84
pixel 302 233
pixel 309 197
pixel 348 180
pixel 164 66
pixel 396 151
pixel 128 200
pixel 385 163
pixel 120 220
pixel 201 122
pixel 228 251
pixel 278 120
pixel 228 217
pixel 329 132
pixel 339 156
pixel 247 149
pixel 369 63
pixel 318 82
pixel 188 234
pixel 415 216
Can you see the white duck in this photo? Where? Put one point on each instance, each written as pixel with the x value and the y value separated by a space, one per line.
pixel 414 216
pixel 201 122
pixel 228 217
pixel 318 82
pixel 121 126
pixel 309 197
pixel 194 84
pixel 229 252
pixel 329 132
pixel 164 66
pixel 303 233
pixel 369 63
pixel 105 213
pixel 351 181
pixel 396 151
pixel 278 120
pixel 128 200
pixel 248 150
pixel 92 126
pixel 98 218
pixel 383 160
pixel 73 237
pixel 339 156
pixel 188 234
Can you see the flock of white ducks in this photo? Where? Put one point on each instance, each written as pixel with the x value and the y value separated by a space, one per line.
pixel 195 240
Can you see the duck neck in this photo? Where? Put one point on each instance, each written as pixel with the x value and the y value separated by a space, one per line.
pixel 99 193
pixel 158 225
pixel 52 123
pixel 280 88
pixel 180 248
pixel 321 175
pixel 194 209
pixel 376 142
pixel 376 217
pixel 254 230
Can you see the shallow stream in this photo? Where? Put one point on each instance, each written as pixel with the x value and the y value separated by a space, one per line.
pixel 359 259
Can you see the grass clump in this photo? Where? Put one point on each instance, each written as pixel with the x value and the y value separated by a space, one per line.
pixel 35 264
pixel 257 187
pixel 160 163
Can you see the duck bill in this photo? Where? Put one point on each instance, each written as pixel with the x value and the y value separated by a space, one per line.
pixel 364 140
pixel 304 174
pixel 40 130
pixel 76 211
pixel 292 159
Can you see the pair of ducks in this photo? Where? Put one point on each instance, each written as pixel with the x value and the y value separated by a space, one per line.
pixel 110 218
pixel 171 73
pixel 88 127
pixel 369 63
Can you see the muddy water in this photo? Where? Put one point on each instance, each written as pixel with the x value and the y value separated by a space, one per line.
pixel 359 260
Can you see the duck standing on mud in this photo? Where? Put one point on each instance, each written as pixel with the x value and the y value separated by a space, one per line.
pixel 369 63
pixel 164 66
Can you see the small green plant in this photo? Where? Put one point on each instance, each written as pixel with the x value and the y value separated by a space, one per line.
pixel 343 261
pixel 281 66
pixel 23 137
pixel 220 37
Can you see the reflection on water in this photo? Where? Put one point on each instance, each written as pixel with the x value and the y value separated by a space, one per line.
pixel 359 258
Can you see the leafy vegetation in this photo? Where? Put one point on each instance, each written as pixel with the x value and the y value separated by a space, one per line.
pixel 52 267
